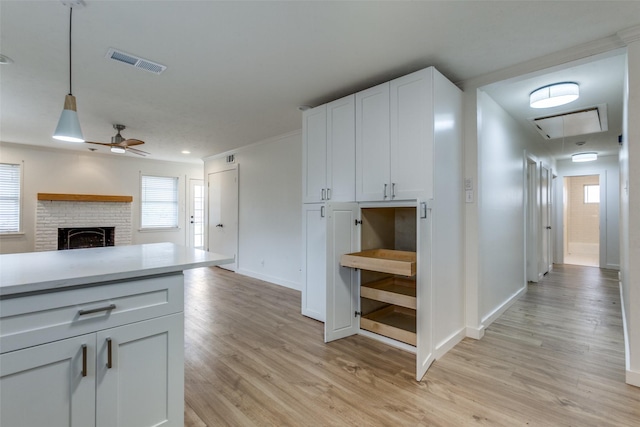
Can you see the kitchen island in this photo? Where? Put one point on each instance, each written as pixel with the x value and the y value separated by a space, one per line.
pixel 95 337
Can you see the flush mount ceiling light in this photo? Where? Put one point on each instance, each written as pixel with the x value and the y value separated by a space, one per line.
pixel 584 157
pixel 68 128
pixel 554 95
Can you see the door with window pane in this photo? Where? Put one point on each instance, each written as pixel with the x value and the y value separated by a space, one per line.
pixel 196 213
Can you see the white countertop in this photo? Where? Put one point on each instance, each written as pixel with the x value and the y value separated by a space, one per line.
pixel 53 270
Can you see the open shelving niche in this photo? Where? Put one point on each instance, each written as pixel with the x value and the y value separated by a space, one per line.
pixel 387 263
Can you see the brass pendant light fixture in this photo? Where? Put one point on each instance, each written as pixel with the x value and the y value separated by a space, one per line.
pixel 68 128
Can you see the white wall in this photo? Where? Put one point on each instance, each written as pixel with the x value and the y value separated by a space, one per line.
pixel 270 216
pixel 609 171
pixel 50 170
pixel 502 145
pixel 630 211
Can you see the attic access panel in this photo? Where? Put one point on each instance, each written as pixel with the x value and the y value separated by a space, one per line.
pixel 590 120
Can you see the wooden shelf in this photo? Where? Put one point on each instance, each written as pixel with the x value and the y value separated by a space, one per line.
pixel 395 322
pixel 83 198
pixel 383 260
pixel 393 290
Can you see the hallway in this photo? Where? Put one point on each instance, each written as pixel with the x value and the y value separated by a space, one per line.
pixel 555 358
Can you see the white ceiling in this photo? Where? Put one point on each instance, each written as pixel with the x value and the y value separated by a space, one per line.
pixel 238 70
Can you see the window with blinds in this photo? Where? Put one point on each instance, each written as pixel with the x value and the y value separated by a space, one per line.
pixel 10 194
pixel 159 202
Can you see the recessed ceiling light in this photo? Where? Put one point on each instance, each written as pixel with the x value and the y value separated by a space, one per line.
pixel 584 157
pixel 186 152
pixel 554 95
pixel 4 59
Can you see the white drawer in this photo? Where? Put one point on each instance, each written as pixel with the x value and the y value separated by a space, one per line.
pixel 35 319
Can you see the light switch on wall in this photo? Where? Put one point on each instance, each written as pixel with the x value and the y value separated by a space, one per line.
pixel 468 196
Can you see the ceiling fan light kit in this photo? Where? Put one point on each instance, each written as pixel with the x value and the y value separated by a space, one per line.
pixel 68 128
pixel 584 157
pixel 554 95
pixel 118 150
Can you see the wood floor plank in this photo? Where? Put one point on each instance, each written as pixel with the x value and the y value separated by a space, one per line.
pixel 554 358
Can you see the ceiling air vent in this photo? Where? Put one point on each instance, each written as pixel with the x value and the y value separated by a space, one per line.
pixel 581 122
pixel 135 61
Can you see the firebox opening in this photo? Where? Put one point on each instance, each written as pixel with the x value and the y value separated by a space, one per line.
pixel 85 237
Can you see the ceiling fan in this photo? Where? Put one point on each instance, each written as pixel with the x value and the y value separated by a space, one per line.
pixel 120 145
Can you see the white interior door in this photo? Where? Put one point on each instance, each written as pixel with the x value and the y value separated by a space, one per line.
pixel 196 213
pixel 545 221
pixel 223 215
pixel 343 293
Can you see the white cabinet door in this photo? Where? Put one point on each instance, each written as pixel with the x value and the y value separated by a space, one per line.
pixel 411 136
pixel 44 385
pixel 343 292
pixel 372 144
pixel 314 154
pixel 341 150
pixel 424 294
pixel 144 384
pixel 314 262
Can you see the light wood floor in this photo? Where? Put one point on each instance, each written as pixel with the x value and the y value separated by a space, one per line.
pixel 555 358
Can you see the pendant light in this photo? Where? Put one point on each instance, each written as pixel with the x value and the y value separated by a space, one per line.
pixel 554 95
pixel 68 128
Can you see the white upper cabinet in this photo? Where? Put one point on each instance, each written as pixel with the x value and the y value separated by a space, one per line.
pixel 314 154
pixel 341 150
pixel 411 136
pixel 328 152
pixel 394 139
pixel 372 144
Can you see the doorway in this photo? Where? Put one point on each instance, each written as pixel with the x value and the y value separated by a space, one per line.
pixel 223 214
pixel 582 220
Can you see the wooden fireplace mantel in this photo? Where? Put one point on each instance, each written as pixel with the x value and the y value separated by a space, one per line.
pixel 83 198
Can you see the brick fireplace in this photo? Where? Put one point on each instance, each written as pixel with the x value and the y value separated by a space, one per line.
pixel 81 211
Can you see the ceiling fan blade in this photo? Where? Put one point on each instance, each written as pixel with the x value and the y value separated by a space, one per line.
pixel 136 151
pixel 100 143
pixel 130 142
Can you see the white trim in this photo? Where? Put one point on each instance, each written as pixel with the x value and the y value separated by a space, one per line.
pixel 253 145
pixel 388 341
pixel 475 333
pixel 629 35
pixel 631 377
pixel 450 342
pixel 273 280
pixel 491 317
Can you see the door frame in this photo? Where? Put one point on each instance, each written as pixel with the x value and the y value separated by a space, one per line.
pixel 228 167
pixel 531 212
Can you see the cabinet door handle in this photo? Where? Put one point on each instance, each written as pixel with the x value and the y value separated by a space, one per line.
pixel 393 190
pixel 385 191
pixel 97 310
pixel 323 194
pixel 84 360
pixel 321 211
pixel 328 194
pixel 109 360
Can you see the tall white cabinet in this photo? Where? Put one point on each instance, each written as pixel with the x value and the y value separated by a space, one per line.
pixel 409 203
pixel 328 176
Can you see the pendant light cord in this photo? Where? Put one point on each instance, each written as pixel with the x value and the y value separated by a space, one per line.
pixel 70 21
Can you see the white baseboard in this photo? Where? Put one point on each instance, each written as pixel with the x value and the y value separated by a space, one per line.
pixel 449 343
pixel 612 267
pixel 497 312
pixel 633 378
pixel 270 279
pixel 475 333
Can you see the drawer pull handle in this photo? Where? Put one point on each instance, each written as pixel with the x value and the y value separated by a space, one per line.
pixel 109 360
pixel 97 310
pixel 84 360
